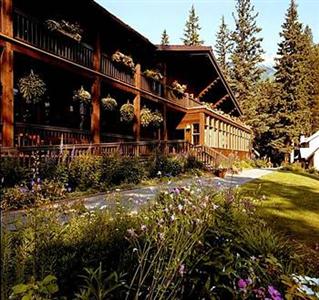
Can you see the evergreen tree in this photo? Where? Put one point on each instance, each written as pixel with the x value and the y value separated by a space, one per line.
pixel 293 113
pixel 315 97
pixel 223 45
pixel 312 77
pixel 165 38
pixel 246 54
pixel 191 31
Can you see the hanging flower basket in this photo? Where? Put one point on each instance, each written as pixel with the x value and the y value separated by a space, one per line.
pixel 109 103
pixel 71 30
pixel 154 74
pixel 157 119
pixel 82 95
pixel 124 60
pixel 127 112
pixel 32 88
pixel 146 117
pixel 179 88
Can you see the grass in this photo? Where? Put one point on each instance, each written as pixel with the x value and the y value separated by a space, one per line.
pixel 291 206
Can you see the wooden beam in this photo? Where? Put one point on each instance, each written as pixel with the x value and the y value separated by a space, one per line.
pixel 137 104
pixel 7 98
pixel 6 13
pixel 6 76
pixel 202 129
pixel 220 101
pixel 165 135
pixel 96 94
pixel 206 89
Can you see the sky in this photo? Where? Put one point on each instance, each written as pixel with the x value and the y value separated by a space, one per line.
pixel 151 17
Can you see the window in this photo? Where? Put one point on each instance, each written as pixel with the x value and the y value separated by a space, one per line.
pixel 196 134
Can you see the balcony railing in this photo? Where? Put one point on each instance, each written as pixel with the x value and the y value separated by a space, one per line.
pixel 109 68
pixel 35 33
pixel 34 134
pixel 152 86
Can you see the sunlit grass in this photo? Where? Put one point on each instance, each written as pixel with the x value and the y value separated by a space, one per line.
pixel 290 205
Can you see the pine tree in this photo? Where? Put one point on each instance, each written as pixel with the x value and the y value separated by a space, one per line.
pixel 315 97
pixel 246 54
pixel 312 77
pixel 165 38
pixel 223 45
pixel 293 110
pixel 191 31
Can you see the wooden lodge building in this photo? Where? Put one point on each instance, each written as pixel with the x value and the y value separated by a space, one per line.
pixel 83 45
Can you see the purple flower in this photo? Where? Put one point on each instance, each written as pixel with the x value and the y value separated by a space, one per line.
pixel 274 294
pixel 242 284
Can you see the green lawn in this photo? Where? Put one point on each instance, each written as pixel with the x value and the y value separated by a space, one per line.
pixel 291 205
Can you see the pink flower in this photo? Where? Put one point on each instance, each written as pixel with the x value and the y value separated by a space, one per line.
pixel 275 295
pixel 181 270
pixel 242 284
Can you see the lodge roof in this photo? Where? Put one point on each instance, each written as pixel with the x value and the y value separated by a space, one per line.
pixel 208 51
pixel 106 13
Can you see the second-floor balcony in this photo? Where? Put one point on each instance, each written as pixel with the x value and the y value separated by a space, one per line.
pixel 34 32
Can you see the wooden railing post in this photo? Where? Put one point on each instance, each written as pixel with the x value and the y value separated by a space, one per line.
pixel 96 93
pixel 6 75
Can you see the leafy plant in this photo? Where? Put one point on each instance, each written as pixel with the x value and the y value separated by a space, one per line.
pixel 146 117
pixel 127 112
pixel 82 95
pixel 124 60
pixel 154 74
pixel 97 286
pixel 11 172
pixel 36 290
pixel 72 30
pixel 179 88
pixel 32 88
pixel 109 103
pixel 85 171
pixel 157 119
pixel 163 165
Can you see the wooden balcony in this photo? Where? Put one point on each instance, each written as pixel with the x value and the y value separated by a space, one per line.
pixel 110 69
pixel 152 86
pixel 33 32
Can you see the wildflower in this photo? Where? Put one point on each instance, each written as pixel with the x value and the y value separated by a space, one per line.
pixel 180 207
pixel 181 270
pixel 242 284
pixel 131 233
pixel 134 250
pixel 275 295
pixel 159 173
pixel 117 190
pixel 143 228
pixel 172 218
pixel 160 236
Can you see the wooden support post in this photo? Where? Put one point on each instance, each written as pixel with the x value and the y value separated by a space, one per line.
pixel 137 104
pixel 95 116
pixel 202 129
pixel 165 136
pixel 6 76
pixel 96 94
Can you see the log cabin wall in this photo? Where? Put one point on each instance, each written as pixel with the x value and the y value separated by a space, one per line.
pixel 66 64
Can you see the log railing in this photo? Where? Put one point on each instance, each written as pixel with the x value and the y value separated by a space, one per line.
pixel 34 134
pixel 35 33
pixel 26 154
pixel 110 69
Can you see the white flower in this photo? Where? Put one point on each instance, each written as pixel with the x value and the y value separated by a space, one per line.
pixel 143 227
pixel 180 207
pixel 172 218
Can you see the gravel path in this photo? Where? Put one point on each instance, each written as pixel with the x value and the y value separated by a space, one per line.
pixel 135 198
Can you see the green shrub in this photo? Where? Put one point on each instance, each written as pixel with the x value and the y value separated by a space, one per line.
pixel 118 170
pixel 11 172
pixel 85 171
pixel 294 167
pixel 163 165
pixel 16 197
pixel 193 163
